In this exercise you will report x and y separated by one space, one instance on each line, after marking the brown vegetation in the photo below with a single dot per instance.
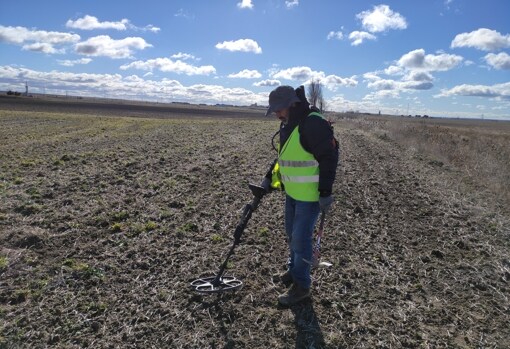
476 152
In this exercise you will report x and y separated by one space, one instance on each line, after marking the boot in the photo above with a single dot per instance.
286 278
294 295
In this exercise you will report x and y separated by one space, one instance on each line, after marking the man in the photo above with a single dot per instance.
305 170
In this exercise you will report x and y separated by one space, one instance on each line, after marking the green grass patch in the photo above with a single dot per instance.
136 229
4 262
263 232
150 225
165 214
28 163
74 265
34 193
216 238
121 216
189 228
82 269
116 227
96 308
58 162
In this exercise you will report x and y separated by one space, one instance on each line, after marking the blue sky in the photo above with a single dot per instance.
436 57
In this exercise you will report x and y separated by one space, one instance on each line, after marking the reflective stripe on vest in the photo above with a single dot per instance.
300 179
299 170
298 163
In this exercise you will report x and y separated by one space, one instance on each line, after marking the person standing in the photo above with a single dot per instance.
305 169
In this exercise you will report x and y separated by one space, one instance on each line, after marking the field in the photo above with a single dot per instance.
109 211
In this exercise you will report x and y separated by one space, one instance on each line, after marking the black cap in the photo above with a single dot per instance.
281 97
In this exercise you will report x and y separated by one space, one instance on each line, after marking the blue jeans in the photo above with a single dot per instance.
300 219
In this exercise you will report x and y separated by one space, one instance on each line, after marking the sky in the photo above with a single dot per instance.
444 58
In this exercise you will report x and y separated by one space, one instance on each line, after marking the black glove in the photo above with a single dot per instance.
325 203
266 184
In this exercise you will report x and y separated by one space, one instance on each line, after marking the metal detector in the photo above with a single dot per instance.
221 283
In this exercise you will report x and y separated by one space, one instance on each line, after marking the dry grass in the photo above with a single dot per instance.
477 151
105 220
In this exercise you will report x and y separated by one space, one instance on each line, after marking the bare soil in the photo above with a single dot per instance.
105 219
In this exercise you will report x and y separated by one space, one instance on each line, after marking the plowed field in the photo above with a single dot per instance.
105 219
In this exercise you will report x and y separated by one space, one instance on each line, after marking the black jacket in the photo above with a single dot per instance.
316 136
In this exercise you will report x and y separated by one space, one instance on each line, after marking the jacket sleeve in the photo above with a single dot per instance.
317 137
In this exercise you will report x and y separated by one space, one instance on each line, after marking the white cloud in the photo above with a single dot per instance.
393 70
482 39
91 22
184 56
335 35
55 78
37 40
131 87
414 80
358 37
416 85
265 83
246 74
296 73
242 45
498 61
415 67
418 76
103 45
371 76
291 3
413 59
20 35
8 73
499 91
152 28
170 66
184 14
305 74
370 103
332 82
71 63
340 103
381 95
43 47
245 4
383 84
418 60
133 78
381 19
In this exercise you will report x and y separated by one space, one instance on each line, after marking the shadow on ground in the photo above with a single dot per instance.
308 330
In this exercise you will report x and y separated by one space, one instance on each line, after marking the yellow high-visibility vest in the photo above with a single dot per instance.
298 169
